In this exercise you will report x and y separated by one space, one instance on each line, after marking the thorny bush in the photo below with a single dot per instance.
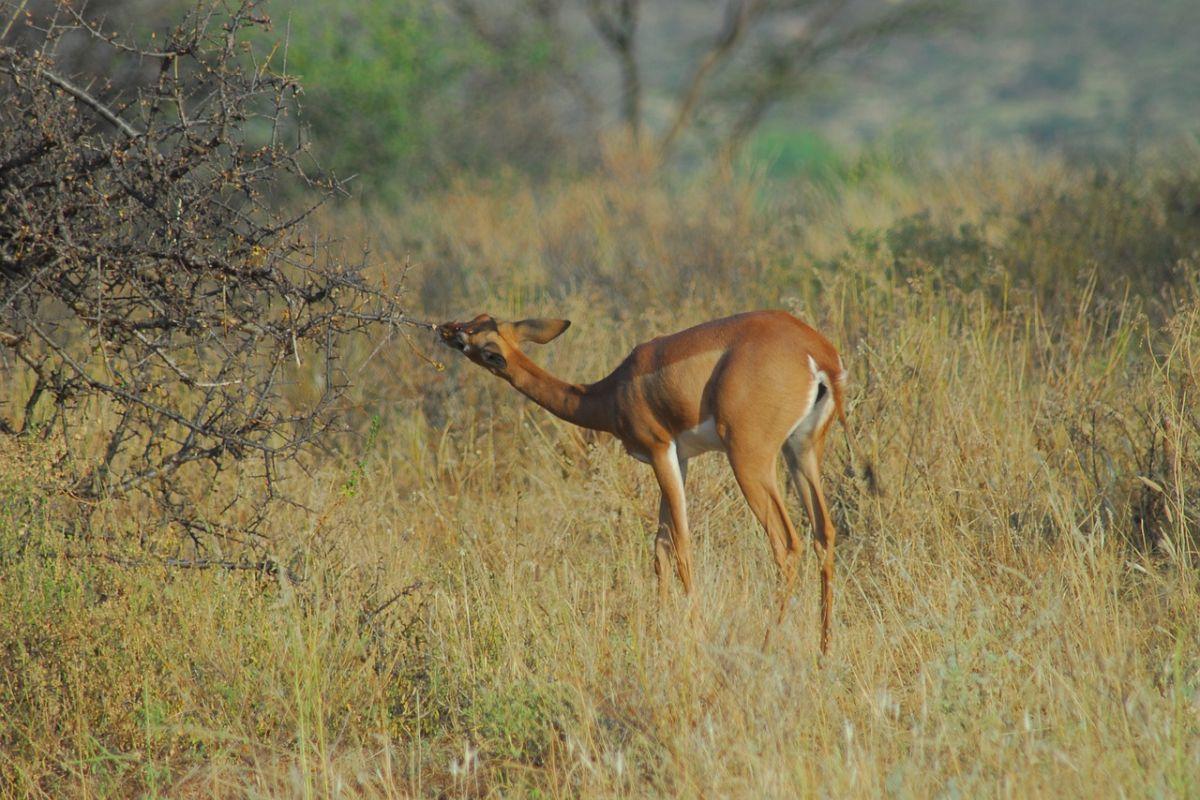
158 311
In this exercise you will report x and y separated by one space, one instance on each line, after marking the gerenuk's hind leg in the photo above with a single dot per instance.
754 469
804 464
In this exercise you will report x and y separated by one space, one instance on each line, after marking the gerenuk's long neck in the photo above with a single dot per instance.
586 406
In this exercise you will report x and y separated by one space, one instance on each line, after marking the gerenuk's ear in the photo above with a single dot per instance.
539 330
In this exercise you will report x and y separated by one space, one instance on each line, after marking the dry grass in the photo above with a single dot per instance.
1019 614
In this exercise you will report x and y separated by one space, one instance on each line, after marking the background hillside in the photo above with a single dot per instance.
1110 76
410 94
1108 79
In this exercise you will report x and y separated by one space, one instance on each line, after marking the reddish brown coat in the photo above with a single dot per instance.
751 385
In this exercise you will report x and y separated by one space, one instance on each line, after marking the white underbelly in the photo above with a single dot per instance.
701 439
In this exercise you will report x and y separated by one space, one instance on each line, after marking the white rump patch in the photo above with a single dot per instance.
816 411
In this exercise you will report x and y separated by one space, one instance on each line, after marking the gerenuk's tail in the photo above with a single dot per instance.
856 460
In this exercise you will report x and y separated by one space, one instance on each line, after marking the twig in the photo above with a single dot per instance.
79 94
266 566
16 13
738 15
405 592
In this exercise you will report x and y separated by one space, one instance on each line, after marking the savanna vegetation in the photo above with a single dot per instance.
450 592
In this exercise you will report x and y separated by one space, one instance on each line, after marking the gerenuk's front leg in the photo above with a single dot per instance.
669 473
663 540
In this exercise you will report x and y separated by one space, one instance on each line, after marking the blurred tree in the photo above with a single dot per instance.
375 69
759 53
404 94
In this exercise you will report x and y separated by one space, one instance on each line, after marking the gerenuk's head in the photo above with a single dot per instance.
491 343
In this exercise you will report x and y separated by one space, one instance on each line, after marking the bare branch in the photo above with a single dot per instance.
547 14
105 113
17 12
739 14
618 30
782 69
